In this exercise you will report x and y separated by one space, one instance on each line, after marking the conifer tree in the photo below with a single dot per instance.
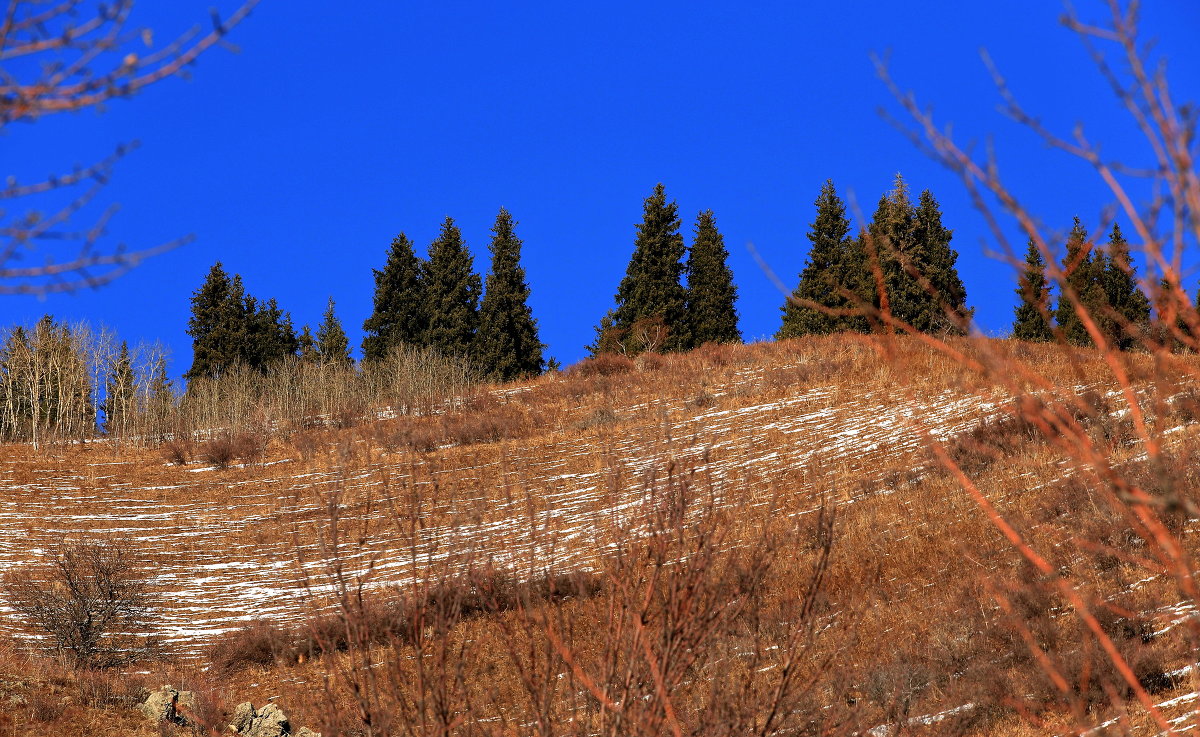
651 288
710 294
119 393
399 314
332 344
948 297
160 398
1032 322
824 276
1125 297
892 233
507 344
451 293
217 324
271 336
308 346
1080 269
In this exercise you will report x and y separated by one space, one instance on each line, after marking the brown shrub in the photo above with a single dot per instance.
650 362
605 364
177 451
247 447
502 422
218 451
258 644
993 439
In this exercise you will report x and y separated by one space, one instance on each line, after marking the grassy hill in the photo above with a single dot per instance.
820 536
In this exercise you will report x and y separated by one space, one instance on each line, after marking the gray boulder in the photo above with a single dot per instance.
270 721
164 705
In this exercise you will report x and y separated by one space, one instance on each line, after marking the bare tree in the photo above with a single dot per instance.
57 56
88 601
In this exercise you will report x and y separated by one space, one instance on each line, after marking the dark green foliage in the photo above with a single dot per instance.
711 294
332 344
119 393
833 257
451 293
217 324
229 327
1081 278
892 233
1130 306
1032 322
271 336
399 314
606 337
947 298
507 345
308 346
651 286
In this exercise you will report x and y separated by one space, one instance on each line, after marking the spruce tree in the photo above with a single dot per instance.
451 293
1032 322
270 337
893 235
1080 269
119 393
651 287
507 345
399 314
823 278
710 294
946 306
308 346
217 325
160 398
1129 303
332 344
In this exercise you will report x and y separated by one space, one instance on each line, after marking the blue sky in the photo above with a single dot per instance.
297 160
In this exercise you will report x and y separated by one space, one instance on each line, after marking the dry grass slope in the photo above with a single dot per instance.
749 539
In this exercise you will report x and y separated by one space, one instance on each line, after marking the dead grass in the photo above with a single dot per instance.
910 607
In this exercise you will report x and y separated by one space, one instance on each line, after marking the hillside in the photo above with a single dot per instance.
735 539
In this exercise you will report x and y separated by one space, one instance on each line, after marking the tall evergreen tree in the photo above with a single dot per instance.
824 276
119 393
1080 269
651 287
399 314
711 295
1125 297
217 325
451 293
332 344
949 296
308 346
271 336
507 344
893 235
1032 322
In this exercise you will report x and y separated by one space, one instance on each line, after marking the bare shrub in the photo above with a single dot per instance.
89 601
605 364
250 447
177 451
258 644
219 451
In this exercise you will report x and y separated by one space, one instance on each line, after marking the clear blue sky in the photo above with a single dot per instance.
297 160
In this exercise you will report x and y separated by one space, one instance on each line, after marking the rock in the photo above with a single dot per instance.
270 721
165 704
243 717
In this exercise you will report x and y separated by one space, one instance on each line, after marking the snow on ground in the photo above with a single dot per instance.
551 499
